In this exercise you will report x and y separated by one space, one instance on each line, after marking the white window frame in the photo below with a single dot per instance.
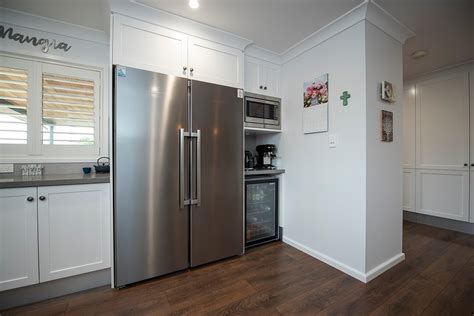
35 151
20 149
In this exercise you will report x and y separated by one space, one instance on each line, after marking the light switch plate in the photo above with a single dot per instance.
6 168
332 141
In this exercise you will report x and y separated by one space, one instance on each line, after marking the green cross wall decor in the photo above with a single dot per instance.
344 97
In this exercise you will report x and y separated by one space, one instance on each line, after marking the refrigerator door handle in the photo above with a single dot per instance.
198 168
182 200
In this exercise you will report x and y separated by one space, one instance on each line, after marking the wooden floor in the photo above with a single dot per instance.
437 278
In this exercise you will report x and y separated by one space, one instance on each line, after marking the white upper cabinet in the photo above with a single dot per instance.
442 123
74 230
18 238
150 47
146 46
409 115
262 77
215 63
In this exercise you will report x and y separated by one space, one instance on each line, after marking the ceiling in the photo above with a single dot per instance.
445 28
92 14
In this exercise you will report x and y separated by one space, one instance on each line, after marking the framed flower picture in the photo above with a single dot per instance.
315 105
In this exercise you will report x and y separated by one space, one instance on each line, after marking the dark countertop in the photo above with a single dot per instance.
18 181
264 172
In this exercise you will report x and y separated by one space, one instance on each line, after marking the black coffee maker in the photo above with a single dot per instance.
265 154
249 160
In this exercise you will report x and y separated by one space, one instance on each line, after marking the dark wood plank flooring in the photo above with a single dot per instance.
437 278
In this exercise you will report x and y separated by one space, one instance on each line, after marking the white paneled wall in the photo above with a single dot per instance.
437 135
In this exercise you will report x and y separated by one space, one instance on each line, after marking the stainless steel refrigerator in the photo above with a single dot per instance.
178 174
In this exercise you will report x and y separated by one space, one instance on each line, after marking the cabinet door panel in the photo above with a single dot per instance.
409 190
215 63
18 238
442 118
409 135
74 230
150 47
271 81
443 193
252 80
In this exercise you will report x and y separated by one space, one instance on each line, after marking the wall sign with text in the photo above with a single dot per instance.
44 43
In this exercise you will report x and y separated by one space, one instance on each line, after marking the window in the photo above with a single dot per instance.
13 105
48 110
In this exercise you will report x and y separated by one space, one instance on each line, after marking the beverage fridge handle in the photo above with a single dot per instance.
198 167
181 168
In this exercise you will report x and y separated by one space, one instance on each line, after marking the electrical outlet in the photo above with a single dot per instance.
6 168
332 141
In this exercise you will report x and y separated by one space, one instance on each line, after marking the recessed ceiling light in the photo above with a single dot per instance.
419 54
194 4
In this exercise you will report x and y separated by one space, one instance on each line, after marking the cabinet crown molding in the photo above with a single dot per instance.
137 10
367 11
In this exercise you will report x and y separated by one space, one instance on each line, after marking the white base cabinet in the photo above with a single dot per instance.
409 189
18 238
74 230
66 227
443 193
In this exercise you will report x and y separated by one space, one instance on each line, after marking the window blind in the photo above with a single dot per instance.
68 112
13 105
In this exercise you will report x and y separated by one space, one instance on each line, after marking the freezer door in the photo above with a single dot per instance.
150 228
217 169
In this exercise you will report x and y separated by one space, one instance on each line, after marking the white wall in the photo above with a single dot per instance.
324 202
384 160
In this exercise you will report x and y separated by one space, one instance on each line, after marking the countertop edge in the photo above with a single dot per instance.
19 182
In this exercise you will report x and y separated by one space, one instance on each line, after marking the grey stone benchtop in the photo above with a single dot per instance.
18 181
264 172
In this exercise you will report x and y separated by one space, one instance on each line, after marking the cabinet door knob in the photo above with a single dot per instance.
465 165
265 88
472 164
42 198
30 199
184 68
261 87
191 69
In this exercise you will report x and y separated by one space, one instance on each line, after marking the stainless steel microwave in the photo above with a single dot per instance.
262 111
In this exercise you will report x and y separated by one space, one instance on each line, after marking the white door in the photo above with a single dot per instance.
471 199
74 230
443 193
442 123
215 63
150 47
252 80
18 238
442 147
271 76
409 190
409 135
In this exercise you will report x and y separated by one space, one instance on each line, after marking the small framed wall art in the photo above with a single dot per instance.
387 92
387 126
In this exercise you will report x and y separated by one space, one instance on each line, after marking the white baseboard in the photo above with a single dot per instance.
384 266
326 259
363 277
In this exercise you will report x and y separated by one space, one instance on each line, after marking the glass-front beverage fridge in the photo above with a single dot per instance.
261 210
